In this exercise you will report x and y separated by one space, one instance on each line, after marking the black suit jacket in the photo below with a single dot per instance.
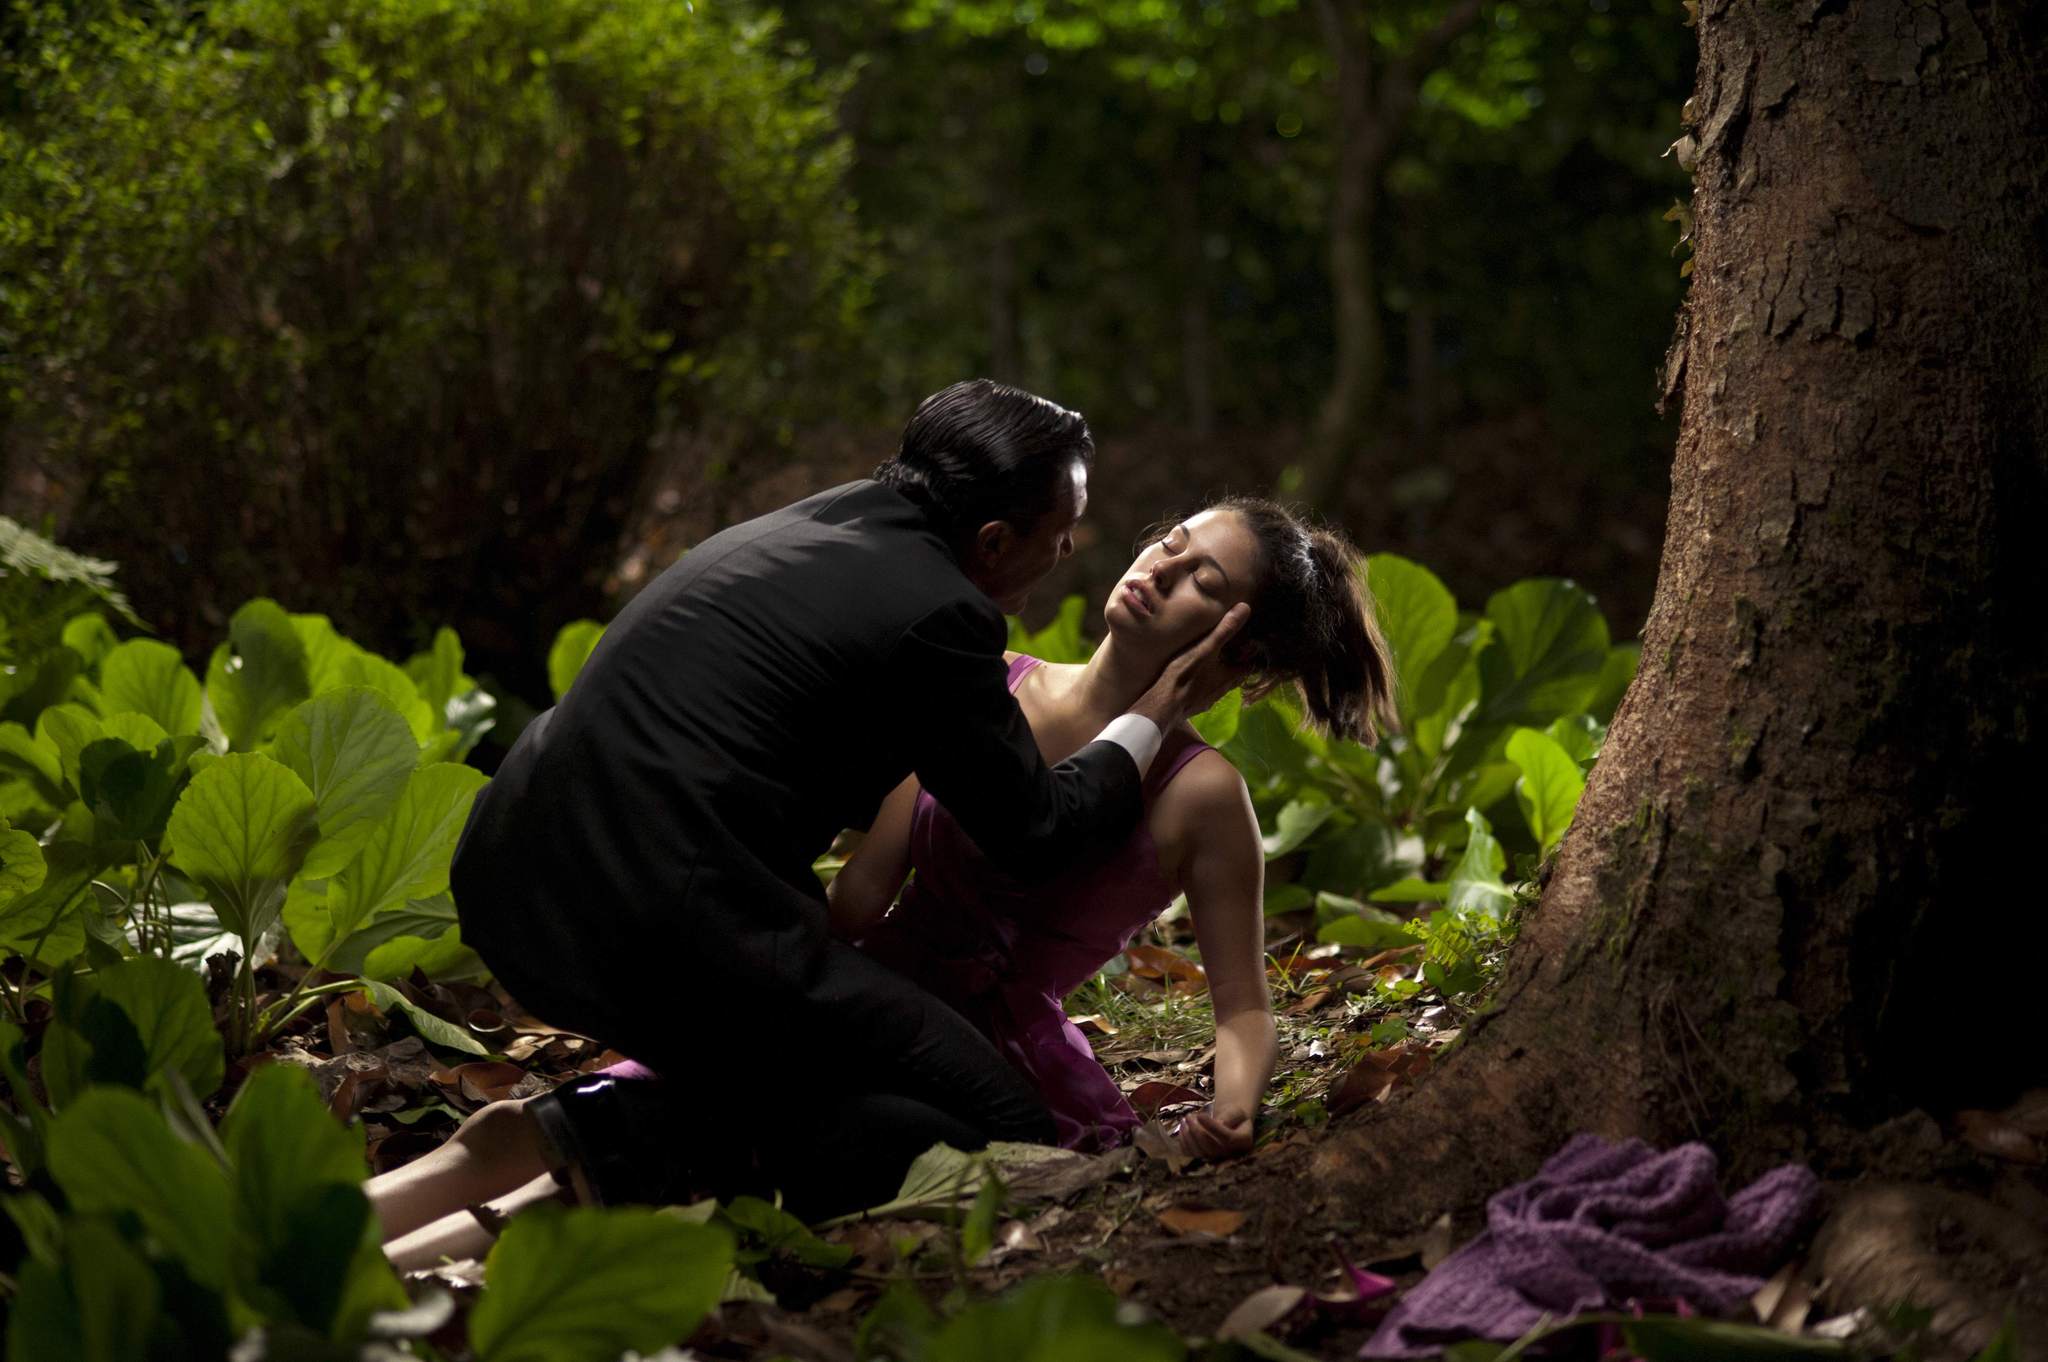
763 693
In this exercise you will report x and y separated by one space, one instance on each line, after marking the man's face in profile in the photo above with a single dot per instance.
1013 564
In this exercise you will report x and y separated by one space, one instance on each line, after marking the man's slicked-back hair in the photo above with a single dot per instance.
981 451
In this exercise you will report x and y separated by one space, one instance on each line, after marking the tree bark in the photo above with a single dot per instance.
1798 853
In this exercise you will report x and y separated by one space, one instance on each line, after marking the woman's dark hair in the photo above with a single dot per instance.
1313 625
981 451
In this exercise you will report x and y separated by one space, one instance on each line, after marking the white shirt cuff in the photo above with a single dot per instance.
1137 735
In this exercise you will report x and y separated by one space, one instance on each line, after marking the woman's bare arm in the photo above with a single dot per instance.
1223 875
868 883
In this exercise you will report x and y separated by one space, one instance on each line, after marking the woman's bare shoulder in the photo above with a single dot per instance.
1206 800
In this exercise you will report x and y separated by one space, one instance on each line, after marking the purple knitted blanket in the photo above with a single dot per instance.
1600 1225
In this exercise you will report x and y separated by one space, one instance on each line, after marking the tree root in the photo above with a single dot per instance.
1967 1260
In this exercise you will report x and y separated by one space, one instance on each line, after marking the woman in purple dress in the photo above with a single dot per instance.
1005 954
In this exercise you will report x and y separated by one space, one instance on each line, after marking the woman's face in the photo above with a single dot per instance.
1181 586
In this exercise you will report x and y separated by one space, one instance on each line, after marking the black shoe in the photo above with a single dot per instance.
613 1141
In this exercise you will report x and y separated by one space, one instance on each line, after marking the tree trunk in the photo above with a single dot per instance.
1358 369
1197 367
1805 850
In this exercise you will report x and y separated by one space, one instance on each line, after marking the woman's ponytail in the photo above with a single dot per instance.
1313 624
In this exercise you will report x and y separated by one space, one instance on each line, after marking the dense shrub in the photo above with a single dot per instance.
411 288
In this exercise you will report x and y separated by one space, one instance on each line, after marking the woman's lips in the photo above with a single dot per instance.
1136 597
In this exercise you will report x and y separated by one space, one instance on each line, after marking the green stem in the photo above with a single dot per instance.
281 1013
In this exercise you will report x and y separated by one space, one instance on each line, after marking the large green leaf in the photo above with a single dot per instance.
405 855
129 791
432 1029
1550 786
1218 723
1580 735
437 672
1296 824
112 1153
256 677
70 729
91 637
1417 615
325 649
1359 924
1051 1319
242 829
99 1302
570 650
143 676
25 756
1475 884
167 1005
48 914
22 867
422 919
305 1244
359 667
443 956
1548 652
1062 640
584 1285
355 753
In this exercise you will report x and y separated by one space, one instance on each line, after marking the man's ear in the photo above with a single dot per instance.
993 540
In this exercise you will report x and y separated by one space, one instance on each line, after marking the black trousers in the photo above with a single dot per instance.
824 1096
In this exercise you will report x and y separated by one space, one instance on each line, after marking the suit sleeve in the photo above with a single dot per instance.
972 748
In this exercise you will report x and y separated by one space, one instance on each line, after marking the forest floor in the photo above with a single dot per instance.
1228 1249
1189 1240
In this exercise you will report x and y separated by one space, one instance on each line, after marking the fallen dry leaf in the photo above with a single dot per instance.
1192 1220
1436 1242
1260 1311
1154 1095
1784 1301
1155 1142
1156 962
1374 1076
1093 1024
486 1080
1311 1002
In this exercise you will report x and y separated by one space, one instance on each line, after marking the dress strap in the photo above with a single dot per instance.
1021 668
1168 764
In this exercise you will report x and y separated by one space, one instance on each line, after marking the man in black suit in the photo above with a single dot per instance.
640 868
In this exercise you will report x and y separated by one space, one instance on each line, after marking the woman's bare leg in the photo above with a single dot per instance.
496 1150
463 1235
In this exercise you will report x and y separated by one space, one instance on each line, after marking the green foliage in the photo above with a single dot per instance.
309 780
151 1237
1045 1319
570 650
639 1280
394 250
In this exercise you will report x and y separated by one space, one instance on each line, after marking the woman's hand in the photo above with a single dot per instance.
1217 1133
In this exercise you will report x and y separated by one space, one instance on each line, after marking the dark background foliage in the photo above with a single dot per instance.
477 312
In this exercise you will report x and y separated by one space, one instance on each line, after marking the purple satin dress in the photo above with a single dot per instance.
1005 955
